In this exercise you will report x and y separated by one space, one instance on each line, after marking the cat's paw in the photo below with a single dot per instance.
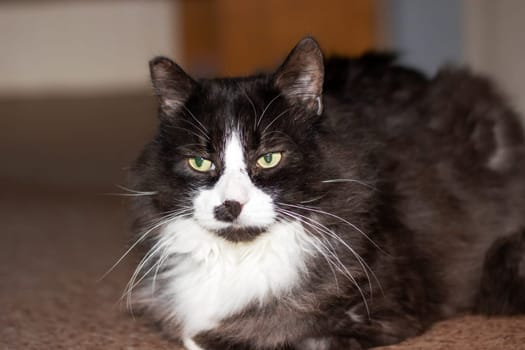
502 288
189 344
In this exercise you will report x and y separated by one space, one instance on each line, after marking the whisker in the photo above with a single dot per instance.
164 220
162 215
313 199
133 282
205 138
320 251
195 118
265 109
250 101
199 129
160 262
349 180
146 193
361 261
326 230
319 211
323 229
277 136
129 192
276 118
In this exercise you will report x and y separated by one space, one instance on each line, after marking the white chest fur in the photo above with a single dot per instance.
214 278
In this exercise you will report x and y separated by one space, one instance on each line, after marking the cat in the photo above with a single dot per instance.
344 203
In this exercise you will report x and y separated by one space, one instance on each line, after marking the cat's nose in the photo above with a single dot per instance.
228 211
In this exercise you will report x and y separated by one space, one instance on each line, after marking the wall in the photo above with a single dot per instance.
484 35
75 99
426 33
494 43
57 47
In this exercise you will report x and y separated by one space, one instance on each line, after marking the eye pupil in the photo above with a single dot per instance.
198 161
268 158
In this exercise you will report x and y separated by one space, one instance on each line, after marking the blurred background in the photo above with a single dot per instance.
75 100
76 107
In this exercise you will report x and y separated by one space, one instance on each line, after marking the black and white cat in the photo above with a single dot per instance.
328 205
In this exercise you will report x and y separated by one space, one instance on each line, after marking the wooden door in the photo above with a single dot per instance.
234 37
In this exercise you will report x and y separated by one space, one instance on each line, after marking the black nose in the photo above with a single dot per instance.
228 211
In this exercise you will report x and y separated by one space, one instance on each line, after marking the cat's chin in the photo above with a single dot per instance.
237 234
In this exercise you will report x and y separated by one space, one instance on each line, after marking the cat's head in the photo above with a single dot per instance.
233 151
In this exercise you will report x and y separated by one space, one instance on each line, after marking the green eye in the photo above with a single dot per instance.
200 164
269 160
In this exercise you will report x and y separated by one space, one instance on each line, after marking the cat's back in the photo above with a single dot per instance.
452 154
454 117
460 175
458 160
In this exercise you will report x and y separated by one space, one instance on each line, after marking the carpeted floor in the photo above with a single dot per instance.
55 246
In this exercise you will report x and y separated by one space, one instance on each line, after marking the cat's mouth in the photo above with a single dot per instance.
236 233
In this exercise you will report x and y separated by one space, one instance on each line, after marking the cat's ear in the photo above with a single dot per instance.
170 83
301 76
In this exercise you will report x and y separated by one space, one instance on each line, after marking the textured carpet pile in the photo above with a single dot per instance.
55 247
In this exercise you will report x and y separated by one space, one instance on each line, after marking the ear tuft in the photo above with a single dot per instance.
171 84
301 76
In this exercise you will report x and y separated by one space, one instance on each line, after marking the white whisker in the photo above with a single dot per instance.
323 250
153 251
132 191
319 211
205 138
129 194
312 200
164 220
334 235
133 282
319 228
250 101
275 119
204 129
159 264
265 109
197 127
349 180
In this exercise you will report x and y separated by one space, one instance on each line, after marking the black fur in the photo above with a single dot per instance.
425 186
503 280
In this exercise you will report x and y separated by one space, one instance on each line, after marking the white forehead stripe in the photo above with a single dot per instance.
234 184
234 155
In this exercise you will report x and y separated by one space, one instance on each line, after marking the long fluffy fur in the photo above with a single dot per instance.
391 190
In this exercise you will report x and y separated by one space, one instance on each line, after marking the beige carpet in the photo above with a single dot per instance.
54 247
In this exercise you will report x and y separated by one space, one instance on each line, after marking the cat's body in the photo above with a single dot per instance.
285 216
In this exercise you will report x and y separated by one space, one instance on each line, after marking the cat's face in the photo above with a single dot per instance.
232 151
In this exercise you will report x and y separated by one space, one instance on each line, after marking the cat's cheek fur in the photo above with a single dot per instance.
213 278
